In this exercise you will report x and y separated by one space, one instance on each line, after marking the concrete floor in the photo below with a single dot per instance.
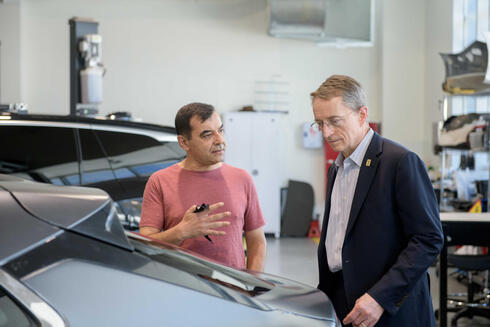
296 258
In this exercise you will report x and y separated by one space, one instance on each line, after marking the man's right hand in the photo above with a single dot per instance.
195 224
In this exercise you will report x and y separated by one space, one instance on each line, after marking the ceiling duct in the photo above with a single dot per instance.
326 22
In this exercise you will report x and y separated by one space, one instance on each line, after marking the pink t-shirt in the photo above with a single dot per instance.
171 191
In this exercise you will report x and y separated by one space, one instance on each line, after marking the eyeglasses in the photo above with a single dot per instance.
333 122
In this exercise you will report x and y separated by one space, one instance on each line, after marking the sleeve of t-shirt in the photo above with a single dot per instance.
253 214
152 207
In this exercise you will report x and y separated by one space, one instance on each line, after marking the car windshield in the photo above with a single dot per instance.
225 281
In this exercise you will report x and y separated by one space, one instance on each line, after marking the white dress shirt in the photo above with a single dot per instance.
341 201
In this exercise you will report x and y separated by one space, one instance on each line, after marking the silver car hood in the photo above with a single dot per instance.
258 290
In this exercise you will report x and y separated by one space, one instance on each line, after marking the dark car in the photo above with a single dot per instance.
117 156
65 260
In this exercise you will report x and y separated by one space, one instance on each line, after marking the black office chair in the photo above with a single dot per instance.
298 209
476 301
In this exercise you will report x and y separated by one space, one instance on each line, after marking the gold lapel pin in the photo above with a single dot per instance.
368 162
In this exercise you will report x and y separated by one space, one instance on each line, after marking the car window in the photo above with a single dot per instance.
44 154
95 165
138 154
11 314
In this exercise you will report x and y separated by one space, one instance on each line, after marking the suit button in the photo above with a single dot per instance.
347 261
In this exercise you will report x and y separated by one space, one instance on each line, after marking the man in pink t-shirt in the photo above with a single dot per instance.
172 195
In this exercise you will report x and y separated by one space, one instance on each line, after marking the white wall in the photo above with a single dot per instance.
414 34
438 40
10 52
163 54
404 66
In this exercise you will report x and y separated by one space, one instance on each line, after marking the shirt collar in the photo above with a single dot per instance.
358 155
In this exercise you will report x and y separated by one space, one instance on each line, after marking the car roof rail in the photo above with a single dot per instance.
18 108
119 115
87 112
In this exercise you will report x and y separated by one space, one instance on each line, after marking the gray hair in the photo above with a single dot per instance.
348 88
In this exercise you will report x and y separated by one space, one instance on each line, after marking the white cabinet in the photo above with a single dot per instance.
253 144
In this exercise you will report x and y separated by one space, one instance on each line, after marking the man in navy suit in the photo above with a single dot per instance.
381 229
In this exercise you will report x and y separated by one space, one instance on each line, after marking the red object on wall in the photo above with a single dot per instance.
331 155
314 229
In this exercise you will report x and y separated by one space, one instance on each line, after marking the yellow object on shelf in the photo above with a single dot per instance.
476 207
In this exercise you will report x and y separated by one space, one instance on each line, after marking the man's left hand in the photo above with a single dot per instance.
366 312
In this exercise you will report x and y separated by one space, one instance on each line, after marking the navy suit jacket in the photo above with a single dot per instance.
393 235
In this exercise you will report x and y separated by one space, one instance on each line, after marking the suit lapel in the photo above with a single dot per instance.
332 173
366 176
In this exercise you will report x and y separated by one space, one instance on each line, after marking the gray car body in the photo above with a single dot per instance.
65 260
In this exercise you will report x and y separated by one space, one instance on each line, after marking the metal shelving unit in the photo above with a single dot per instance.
449 151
